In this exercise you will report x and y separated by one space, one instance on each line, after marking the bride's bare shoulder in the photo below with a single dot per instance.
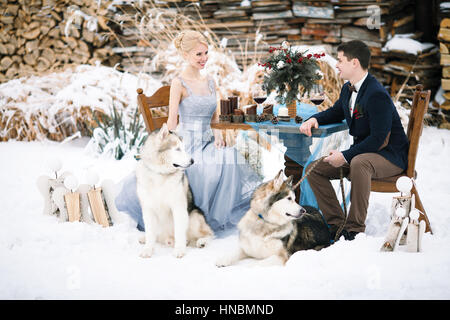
176 82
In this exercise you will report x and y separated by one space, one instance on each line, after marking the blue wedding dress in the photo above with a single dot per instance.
221 181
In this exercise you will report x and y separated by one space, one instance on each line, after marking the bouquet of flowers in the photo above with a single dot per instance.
286 70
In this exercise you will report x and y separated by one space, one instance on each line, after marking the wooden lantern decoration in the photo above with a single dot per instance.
97 203
72 199
401 208
47 186
415 232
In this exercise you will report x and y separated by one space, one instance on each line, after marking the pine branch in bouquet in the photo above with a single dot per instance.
290 72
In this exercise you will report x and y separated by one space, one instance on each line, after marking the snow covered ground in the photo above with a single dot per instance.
42 258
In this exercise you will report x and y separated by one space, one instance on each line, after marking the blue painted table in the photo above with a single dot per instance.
297 144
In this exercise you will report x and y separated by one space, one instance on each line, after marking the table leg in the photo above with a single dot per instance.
292 168
297 153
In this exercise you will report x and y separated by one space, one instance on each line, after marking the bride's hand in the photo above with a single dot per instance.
218 140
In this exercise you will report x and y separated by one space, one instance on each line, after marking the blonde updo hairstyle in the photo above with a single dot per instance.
185 41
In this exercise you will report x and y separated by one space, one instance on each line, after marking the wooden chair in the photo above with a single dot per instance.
159 99
418 109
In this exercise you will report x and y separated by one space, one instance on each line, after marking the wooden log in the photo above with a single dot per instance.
445 84
446 72
403 21
445 105
55 15
444 47
444 34
273 15
7 48
49 55
32 33
42 64
31 58
5 63
229 13
361 34
71 41
445 59
11 10
7 19
311 11
31 46
54 33
445 23
102 23
321 32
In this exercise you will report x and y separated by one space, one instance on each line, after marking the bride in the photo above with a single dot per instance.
221 182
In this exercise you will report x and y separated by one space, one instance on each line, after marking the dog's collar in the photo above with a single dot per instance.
264 220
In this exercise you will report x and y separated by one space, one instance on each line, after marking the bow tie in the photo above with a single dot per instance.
352 89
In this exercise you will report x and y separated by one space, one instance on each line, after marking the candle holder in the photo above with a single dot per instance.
283 114
268 112
225 111
234 103
225 118
238 116
250 118
250 113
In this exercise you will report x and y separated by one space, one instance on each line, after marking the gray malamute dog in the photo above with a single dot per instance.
276 226
168 209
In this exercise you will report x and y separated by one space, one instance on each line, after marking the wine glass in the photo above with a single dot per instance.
259 95
317 95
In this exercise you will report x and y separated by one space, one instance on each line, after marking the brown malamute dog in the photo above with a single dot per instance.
276 226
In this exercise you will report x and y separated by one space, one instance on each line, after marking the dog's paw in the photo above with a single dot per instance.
202 242
179 252
146 252
142 239
272 261
223 262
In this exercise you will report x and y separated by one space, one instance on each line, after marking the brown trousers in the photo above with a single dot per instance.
360 172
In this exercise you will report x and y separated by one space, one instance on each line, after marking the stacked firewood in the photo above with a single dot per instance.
372 21
408 63
43 35
444 38
240 26
247 28
244 25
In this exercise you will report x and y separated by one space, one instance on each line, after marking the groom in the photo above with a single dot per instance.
380 146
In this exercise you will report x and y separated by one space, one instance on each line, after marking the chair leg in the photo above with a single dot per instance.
420 207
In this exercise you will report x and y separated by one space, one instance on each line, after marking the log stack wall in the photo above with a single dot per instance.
39 36
43 35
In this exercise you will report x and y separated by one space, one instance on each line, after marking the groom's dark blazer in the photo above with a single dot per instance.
374 118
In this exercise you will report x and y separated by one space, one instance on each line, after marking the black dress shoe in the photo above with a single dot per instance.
333 229
349 235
